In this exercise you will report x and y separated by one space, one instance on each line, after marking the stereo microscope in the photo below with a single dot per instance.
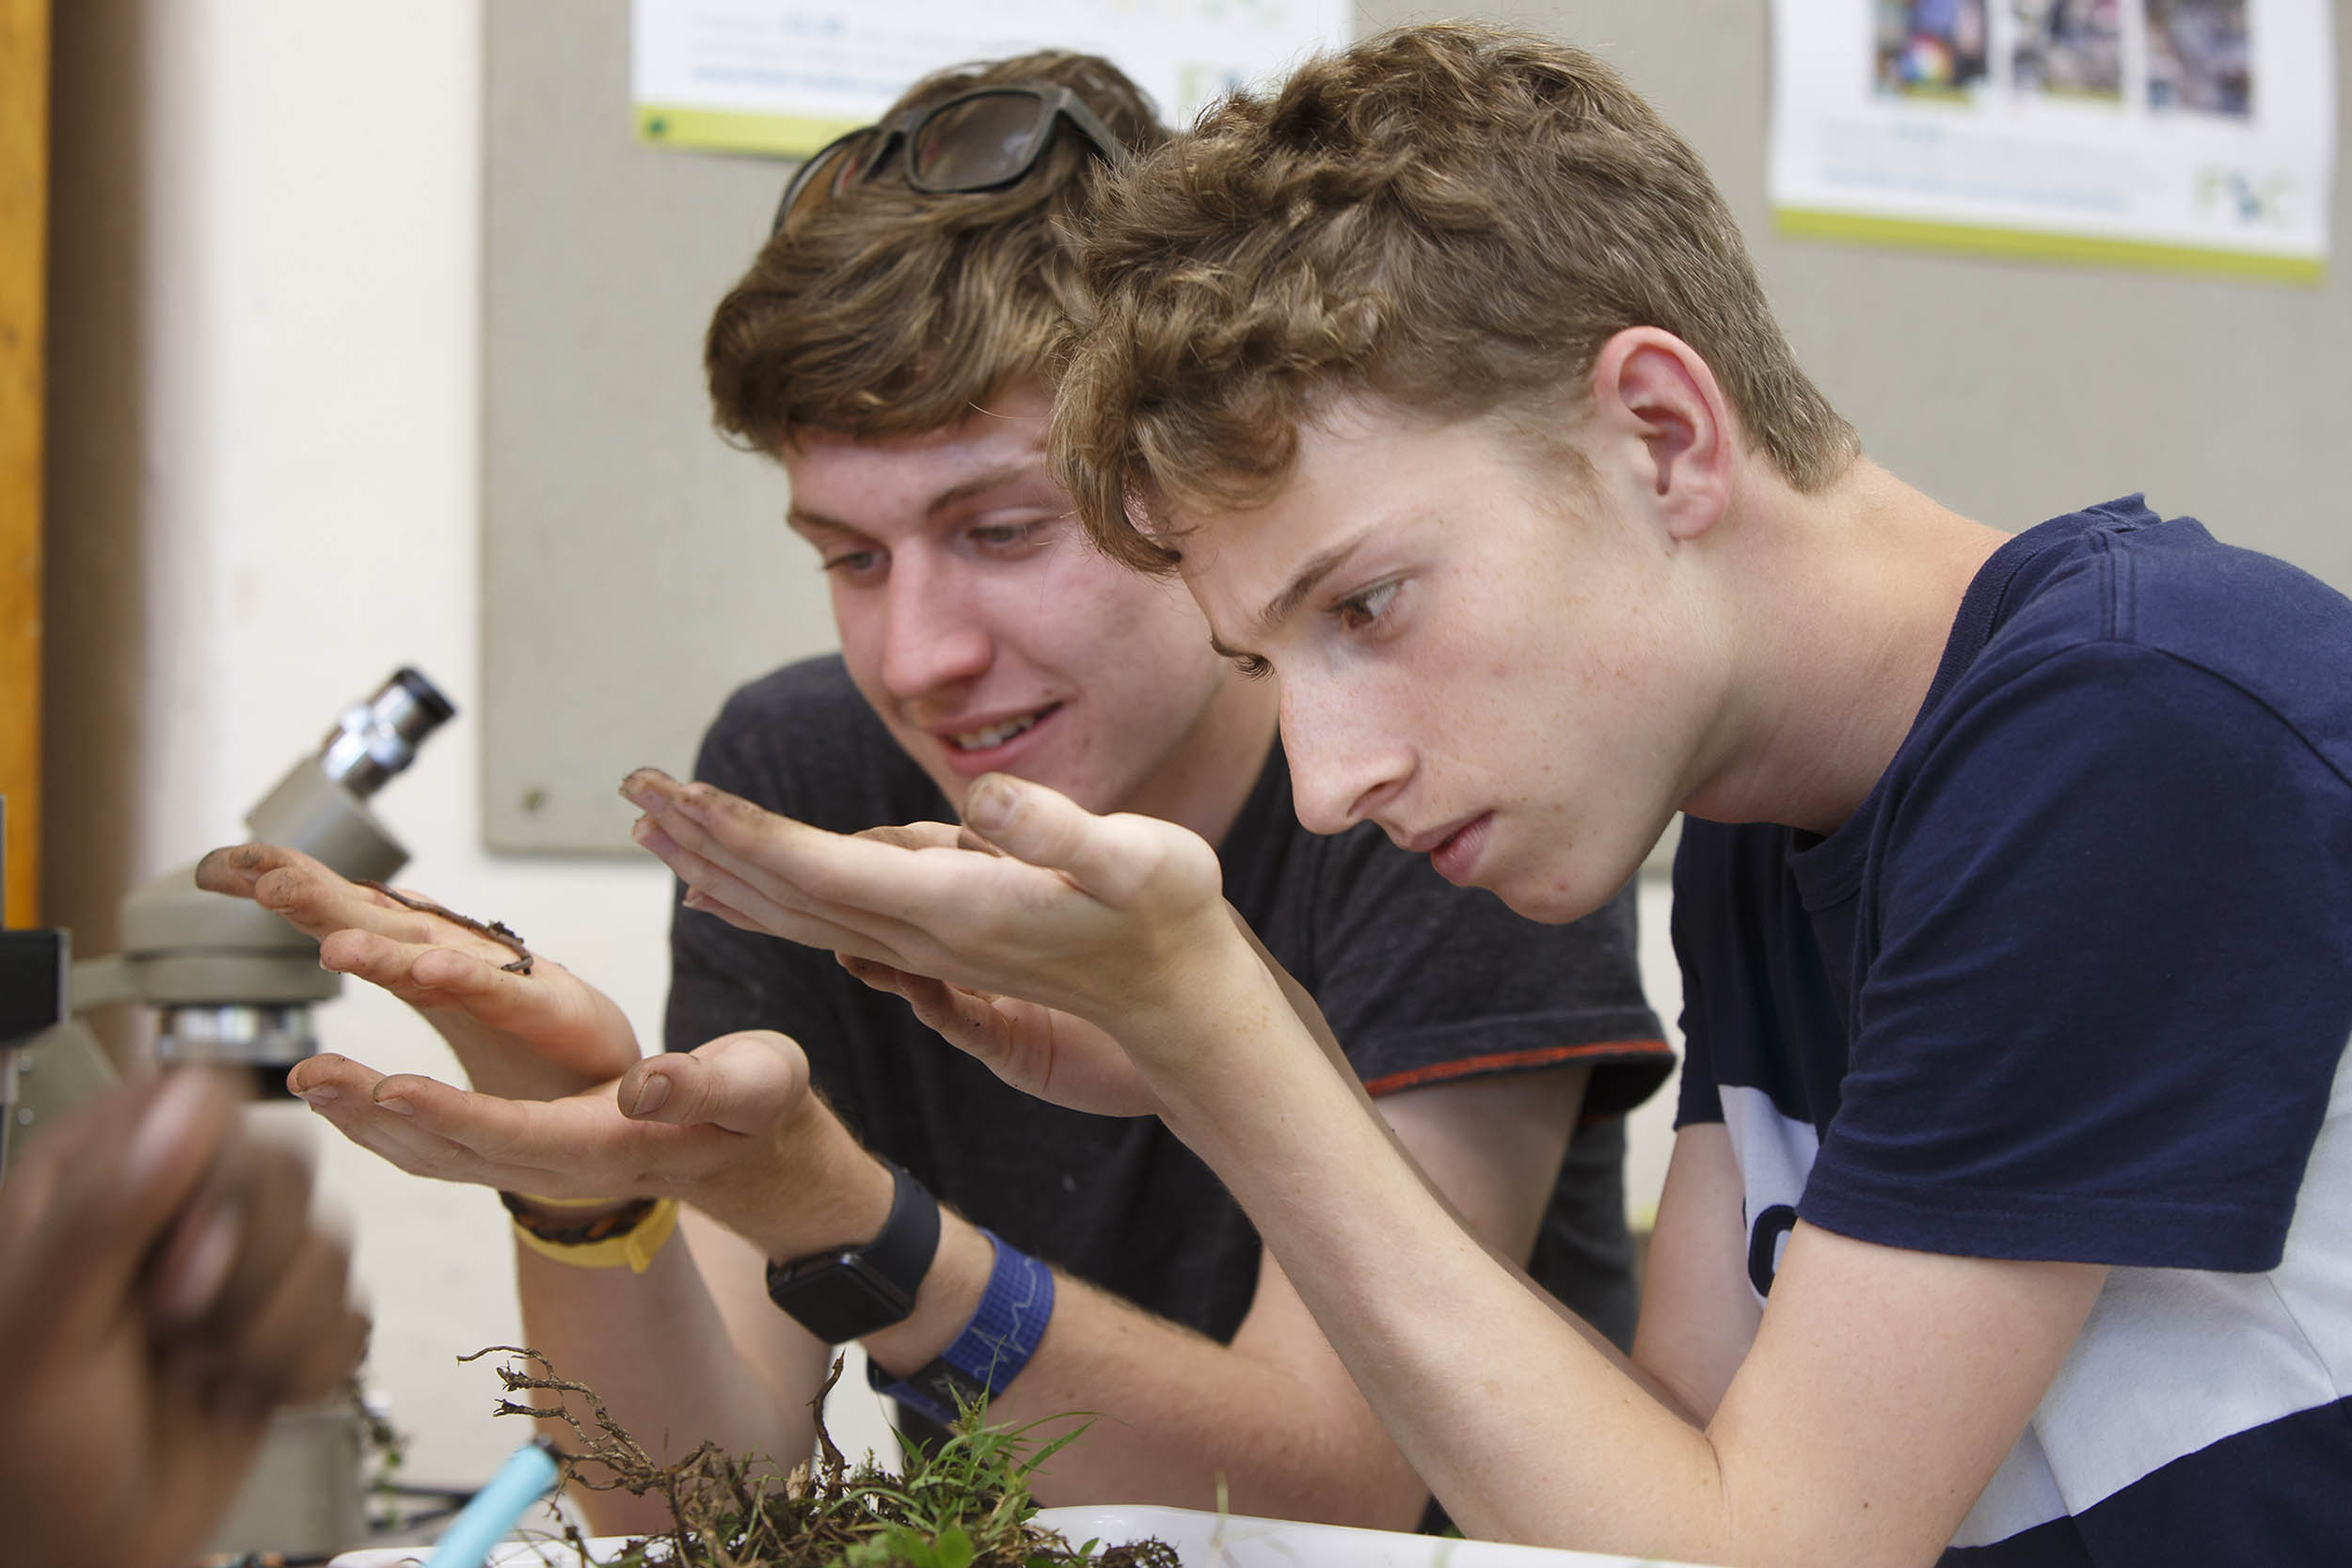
234 985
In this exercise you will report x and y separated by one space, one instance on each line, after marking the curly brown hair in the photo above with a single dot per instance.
887 311
1449 217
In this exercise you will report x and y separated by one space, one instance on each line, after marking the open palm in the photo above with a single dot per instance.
535 1035
1045 1051
729 1128
1107 918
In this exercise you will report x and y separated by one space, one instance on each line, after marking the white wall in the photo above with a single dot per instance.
308 377
310 414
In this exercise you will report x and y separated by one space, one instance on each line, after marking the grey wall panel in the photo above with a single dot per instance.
636 569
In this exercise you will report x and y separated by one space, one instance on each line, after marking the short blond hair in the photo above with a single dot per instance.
1451 219
889 311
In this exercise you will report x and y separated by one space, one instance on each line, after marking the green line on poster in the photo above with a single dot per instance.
2027 244
724 131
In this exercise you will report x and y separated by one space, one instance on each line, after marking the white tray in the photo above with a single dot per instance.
1202 1540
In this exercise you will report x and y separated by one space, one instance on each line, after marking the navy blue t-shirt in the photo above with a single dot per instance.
2075 982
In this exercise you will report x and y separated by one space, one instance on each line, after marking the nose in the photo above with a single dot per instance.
935 636
1346 762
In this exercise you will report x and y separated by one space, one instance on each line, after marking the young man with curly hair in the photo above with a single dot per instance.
893 348
2008 1219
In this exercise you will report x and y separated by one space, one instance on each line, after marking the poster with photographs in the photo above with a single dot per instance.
787 76
2192 134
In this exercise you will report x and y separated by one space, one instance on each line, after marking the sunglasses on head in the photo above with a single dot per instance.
976 141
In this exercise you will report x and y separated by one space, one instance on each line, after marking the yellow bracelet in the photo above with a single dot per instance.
635 1246
546 1202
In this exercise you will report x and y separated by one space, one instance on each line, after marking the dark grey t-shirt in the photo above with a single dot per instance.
1422 982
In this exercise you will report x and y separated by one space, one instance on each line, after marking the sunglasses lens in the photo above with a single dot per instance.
982 141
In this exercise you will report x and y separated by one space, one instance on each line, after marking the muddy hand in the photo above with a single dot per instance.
729 1128
1043 1052
1099 916
537 1035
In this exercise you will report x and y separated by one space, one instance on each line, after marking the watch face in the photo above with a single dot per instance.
837 1299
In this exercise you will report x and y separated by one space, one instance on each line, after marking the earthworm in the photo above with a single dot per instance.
497 930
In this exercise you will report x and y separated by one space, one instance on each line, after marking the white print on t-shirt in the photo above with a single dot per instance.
2169 1362
1774 1154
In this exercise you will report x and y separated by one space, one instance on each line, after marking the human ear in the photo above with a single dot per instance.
1651 389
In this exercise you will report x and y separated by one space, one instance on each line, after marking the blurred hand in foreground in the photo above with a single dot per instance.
162 1290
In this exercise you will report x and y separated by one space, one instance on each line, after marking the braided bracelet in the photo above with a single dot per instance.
632 1234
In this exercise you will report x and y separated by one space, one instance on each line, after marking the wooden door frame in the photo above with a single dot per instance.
24 234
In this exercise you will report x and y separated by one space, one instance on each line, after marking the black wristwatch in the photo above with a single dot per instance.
846 1295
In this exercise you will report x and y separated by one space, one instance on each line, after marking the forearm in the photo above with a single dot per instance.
1882 1392
657 1350
1527 1428
1289 1432
1172 1415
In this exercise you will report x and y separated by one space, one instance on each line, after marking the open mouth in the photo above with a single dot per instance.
998 735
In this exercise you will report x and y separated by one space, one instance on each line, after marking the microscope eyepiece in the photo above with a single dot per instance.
376 738
428 696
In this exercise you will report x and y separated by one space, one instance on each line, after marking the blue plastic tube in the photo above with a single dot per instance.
522 1480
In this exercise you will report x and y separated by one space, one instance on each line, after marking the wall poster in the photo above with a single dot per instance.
787 76
2176 133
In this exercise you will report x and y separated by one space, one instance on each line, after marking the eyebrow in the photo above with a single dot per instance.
801 521
1306 578
1303 582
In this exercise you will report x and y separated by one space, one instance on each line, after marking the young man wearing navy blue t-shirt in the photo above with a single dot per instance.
2008 1219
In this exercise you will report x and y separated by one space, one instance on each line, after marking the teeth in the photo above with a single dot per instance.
995 735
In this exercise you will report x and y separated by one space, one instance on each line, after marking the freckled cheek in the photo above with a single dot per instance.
1066 618
1312 712
862 640
1497 709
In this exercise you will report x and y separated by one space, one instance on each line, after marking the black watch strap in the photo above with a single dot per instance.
845 1294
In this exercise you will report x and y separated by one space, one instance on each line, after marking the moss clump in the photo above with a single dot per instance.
962 1504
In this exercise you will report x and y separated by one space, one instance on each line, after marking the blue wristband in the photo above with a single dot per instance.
993 1348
